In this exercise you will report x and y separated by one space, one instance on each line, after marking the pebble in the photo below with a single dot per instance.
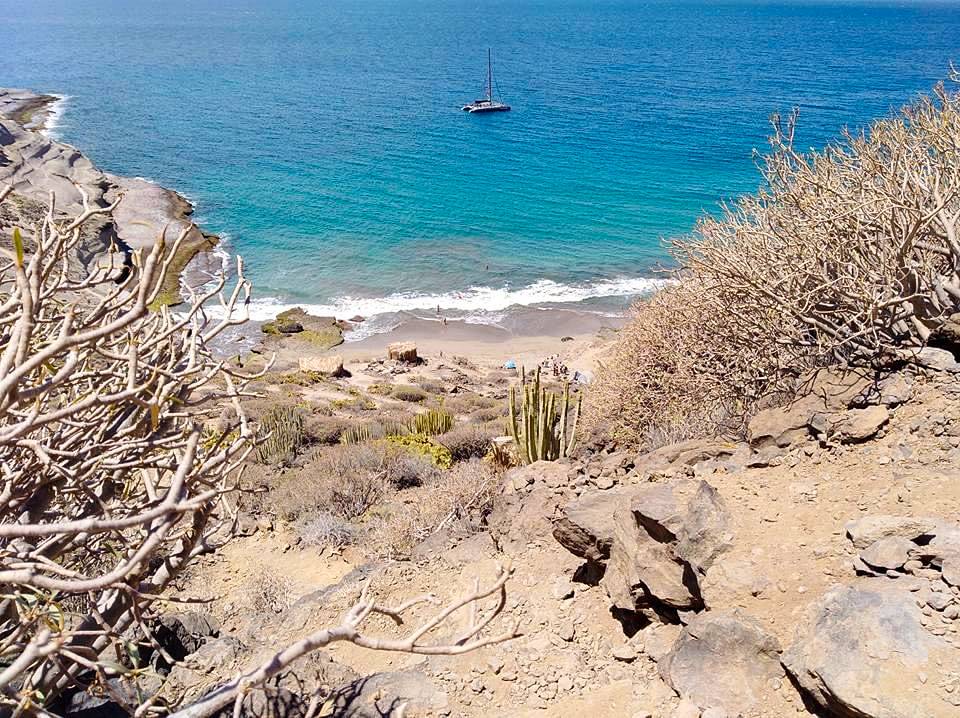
939 601
604 482
565 684
624 652
566 630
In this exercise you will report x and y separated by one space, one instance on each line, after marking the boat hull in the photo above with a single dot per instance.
472 109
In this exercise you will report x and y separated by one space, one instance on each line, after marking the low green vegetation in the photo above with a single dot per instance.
406 392
425 446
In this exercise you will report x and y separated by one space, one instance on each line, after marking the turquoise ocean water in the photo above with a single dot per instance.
325 140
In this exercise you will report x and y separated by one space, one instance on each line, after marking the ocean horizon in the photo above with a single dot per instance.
326 145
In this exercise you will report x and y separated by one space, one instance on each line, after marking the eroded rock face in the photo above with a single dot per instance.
722 662
403 351
654 540
864 652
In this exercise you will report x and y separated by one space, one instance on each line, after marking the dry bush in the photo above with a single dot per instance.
406 392
267 591
325 430
469 441
458 500
467 402
110 488
348 480
429 385
325 529
849 255
487 415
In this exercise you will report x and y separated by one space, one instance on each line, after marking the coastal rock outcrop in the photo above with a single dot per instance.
320 332
36 166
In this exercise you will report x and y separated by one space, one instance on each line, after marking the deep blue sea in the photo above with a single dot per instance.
324 139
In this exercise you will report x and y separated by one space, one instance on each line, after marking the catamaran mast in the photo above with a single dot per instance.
489 77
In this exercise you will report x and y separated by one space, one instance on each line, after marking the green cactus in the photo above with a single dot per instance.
432 423
281 434
373 431
538 429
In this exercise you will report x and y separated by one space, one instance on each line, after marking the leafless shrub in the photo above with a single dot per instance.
108 491
268 591
847 255
488 415
325 529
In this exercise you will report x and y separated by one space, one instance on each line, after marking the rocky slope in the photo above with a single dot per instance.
36 166
812 570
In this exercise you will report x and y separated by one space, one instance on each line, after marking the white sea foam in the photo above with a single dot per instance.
54 116
477 301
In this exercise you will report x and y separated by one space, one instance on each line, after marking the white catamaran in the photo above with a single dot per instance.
487 104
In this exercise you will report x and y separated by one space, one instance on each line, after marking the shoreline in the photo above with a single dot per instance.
37 165
499 327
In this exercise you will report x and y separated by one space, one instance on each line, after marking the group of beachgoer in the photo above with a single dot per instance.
554 365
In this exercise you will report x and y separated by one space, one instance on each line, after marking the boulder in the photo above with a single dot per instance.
730 582
183 633
867 530
782 426
931 358
862 424
403 352
951 571
641 570
324 365
686 453
585 526
389 694
864 652
722 662
889 553
662 544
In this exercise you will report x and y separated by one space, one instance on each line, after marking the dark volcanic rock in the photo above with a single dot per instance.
722 661
864 652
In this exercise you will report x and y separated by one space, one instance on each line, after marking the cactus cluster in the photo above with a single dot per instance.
281 434
432 423
373 431
538 426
